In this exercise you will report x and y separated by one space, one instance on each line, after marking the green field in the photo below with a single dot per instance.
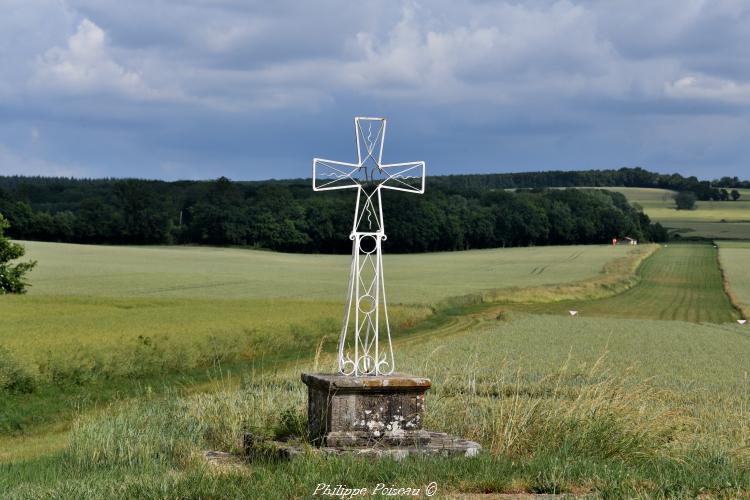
680 282
91 303
644 394
97 315
710 219
223 273
735 259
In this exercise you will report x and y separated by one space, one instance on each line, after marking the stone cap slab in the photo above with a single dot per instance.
395 382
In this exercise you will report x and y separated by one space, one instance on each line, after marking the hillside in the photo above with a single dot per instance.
726 220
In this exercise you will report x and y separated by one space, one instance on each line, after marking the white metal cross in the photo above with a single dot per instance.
362 352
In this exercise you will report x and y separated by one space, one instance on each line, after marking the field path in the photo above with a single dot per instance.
679 282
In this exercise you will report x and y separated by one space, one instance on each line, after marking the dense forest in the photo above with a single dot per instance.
456 212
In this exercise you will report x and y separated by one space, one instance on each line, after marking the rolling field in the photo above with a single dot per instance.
735 259
108 299
659 205
711 219
680 282
223 273
644 394
105 315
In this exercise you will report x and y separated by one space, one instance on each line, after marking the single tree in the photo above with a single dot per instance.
735 195
12 275
685 200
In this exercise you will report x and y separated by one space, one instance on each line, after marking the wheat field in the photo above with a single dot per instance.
595 404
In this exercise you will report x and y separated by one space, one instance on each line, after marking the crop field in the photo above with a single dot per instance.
735 260
680 282
659 205
709 230
98 314
710 219
223 273
179 297
643 394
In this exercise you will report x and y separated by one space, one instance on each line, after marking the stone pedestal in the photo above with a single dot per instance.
346 411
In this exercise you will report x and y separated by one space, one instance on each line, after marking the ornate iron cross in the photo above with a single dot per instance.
361 352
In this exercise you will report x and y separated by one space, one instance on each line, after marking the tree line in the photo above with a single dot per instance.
456 213
623 177
731 182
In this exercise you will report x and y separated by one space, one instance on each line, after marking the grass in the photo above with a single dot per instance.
680 282
558 410
709 230
227 273
613 406
659 205
123 311
102 322
735 256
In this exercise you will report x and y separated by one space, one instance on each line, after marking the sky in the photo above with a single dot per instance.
198 89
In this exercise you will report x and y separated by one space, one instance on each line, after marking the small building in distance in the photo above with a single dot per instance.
627 240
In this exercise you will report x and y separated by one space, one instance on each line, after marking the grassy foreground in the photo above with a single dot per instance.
562 408
616 407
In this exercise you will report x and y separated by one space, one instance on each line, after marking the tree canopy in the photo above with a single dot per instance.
12 275
455 213
685 200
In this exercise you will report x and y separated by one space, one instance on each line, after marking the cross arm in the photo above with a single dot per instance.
407 177
329 175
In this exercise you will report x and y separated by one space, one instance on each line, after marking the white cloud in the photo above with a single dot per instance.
704 87
87 65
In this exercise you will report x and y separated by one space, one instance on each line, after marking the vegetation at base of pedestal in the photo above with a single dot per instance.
12 275
574 416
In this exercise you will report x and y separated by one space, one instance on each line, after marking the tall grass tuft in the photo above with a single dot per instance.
16 376
171 429
583 414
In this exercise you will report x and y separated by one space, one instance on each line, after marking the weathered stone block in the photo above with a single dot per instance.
367 410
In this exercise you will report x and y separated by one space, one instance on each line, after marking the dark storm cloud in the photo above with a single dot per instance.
255 89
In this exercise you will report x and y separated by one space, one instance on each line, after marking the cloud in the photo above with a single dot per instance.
253 89
704 87
86 65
